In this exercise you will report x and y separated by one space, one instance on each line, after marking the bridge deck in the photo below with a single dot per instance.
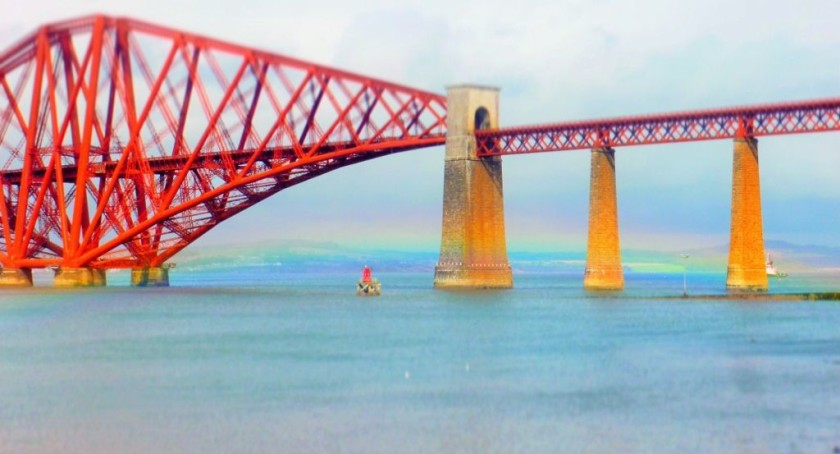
821 115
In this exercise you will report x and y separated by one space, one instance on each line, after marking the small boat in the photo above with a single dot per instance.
368 285
372 288
771 269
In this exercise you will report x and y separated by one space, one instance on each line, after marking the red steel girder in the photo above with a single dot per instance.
763 120
121 142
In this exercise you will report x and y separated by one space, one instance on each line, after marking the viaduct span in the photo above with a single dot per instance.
122 142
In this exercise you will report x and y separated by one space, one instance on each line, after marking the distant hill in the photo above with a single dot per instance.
304 256
787 256
312 255
795 256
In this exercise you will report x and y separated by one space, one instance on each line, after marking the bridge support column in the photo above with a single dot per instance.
79 277
473 251
603 253
153 276
746 269
15 277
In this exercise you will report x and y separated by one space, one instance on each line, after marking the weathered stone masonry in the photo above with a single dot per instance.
746 269
603 254
473 251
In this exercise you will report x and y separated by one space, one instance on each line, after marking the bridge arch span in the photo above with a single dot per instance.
122 141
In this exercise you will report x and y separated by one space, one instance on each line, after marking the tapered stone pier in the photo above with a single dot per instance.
473 251
66 277
155 276
15 277
746 269
603 253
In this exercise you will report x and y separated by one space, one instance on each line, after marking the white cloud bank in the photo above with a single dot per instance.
554 61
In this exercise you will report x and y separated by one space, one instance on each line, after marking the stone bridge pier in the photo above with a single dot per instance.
15 277
603 252
473 251
746 270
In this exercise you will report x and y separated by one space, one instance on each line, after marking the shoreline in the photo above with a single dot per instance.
743 296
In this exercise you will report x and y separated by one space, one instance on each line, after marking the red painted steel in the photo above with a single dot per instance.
121 142
772 119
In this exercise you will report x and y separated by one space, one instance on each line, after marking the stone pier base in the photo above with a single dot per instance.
156 276
746 270
79 277
603 253
15 277
454 276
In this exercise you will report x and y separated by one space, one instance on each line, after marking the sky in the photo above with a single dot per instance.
554 61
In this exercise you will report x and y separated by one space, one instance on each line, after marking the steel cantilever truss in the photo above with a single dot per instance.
121 142
776 119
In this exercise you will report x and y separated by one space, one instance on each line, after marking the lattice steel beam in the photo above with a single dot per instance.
772 119
123 141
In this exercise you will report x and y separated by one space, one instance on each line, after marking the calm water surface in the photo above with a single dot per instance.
263 361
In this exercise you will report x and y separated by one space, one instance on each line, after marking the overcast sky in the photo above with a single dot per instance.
554 61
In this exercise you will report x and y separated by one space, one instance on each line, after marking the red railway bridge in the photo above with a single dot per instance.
122 142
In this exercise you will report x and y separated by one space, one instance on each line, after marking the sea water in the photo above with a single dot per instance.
264 360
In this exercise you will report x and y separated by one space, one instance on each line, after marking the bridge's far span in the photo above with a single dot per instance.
821 115
746 269
121 142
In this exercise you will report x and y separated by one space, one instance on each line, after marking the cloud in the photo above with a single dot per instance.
554 61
